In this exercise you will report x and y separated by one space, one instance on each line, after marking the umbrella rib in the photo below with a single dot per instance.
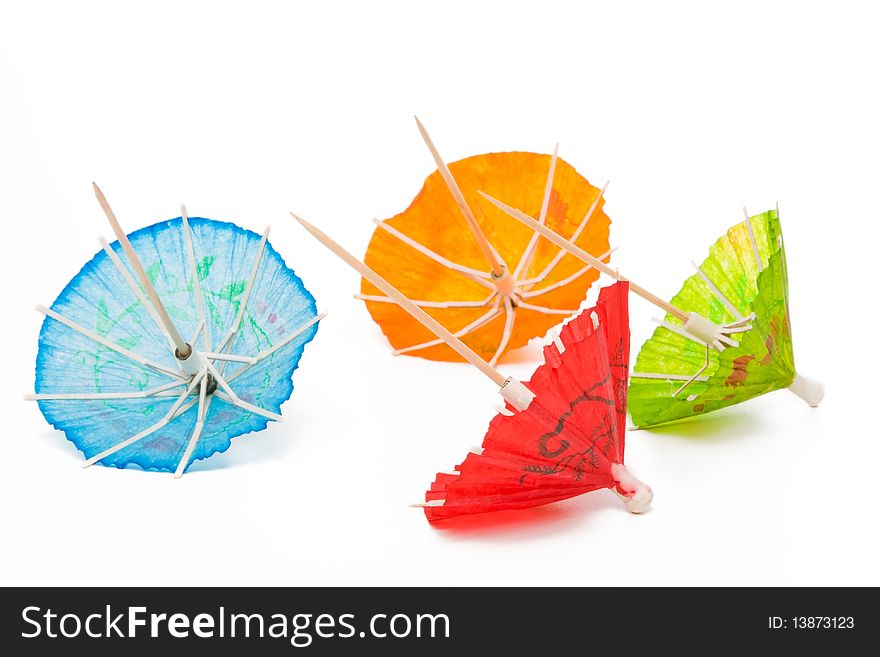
134 394
740 326
240 403
565 281
740 329
671 377
197 431
526 259
695 376
246 296
492 258
509 318
175 411
737 315
752 240
475 275
742 322
229 357
197 283
145 303
543 309
470 328
108 343
574 236
234 399
278 345
425 505
198 331
431 304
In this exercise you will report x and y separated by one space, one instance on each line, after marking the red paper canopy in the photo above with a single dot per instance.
570 440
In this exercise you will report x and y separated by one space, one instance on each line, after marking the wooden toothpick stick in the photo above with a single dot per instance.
497 267
429 322
578 252
183 349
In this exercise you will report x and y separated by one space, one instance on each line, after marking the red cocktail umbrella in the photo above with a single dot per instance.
561 433
570 439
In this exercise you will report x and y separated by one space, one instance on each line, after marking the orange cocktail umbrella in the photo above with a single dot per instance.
490 280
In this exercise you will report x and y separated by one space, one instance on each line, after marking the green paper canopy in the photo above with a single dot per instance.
746 267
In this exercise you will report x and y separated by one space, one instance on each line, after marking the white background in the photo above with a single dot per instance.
247 111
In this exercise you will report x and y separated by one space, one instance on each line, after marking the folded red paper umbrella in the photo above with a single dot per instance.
570 440
561 434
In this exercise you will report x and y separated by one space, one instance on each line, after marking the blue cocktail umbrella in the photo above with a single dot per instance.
115 373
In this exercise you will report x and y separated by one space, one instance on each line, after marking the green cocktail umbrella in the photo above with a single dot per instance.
726 336
744 277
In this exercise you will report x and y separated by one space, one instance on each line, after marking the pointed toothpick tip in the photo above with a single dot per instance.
40 308
424 132
305 224
309 227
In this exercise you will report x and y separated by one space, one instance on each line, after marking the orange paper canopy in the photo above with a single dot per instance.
549 285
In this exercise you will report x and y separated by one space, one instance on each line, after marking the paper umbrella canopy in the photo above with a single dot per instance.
569 440
109 372
480 273
561 434
744 279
